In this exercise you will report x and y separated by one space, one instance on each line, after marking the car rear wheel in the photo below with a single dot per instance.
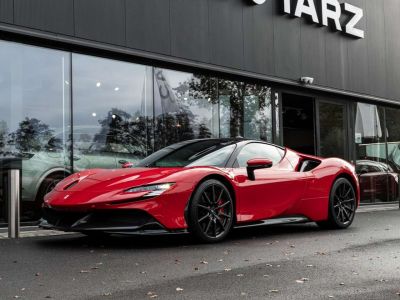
211 211
342 205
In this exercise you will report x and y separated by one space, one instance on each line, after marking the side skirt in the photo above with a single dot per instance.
275 221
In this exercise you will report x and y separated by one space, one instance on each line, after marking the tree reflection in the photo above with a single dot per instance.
175 121
243 98
120 127
30 135
3 135
187 109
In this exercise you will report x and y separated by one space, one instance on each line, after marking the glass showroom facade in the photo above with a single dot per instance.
63 112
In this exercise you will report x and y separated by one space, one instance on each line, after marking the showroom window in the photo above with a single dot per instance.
371 164
189 106
332 129
121 112
184 107
112 112
35 116
245 110
393 150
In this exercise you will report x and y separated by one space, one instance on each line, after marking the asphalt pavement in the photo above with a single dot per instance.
276 262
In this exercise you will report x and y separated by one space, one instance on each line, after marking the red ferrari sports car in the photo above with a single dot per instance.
206 187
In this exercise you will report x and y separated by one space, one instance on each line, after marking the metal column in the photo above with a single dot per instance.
13 203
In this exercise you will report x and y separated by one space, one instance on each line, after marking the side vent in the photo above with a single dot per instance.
308 165
71 185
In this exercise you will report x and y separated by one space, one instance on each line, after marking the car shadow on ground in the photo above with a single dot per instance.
239 235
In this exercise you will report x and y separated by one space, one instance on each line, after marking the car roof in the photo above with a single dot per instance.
236 140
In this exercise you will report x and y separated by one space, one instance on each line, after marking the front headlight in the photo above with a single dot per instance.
152 190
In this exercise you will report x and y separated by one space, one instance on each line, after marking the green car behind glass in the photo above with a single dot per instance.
42 170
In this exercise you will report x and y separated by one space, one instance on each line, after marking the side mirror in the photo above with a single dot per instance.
125 164
255 164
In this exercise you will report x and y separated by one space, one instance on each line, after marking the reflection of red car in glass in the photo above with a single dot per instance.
378 181
206 187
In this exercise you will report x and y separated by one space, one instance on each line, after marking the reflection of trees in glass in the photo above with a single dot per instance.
242 97
258 112
244 108
173 128
3 135
119 127
114 127
204 132
176 120
31 135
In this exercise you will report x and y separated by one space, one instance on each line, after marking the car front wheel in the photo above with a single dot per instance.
211 211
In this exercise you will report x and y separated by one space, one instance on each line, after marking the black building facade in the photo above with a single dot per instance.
92 83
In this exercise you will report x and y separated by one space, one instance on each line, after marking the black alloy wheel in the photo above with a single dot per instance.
211 211
342 205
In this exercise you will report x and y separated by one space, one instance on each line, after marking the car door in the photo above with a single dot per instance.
273 191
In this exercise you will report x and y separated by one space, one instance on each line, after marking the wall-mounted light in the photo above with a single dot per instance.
259 1
307 80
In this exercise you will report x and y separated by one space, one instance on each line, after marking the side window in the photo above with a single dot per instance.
258 150
373 169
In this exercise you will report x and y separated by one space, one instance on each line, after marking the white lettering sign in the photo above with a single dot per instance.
309 10
358 14
259 1
330 12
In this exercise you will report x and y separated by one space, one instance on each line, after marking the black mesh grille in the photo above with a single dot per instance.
61 218
97 219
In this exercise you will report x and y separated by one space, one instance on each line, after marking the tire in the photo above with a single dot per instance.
46 186
211 211
342 205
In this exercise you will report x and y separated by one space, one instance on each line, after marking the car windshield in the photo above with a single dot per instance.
200 153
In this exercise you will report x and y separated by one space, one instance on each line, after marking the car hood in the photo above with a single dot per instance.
113 179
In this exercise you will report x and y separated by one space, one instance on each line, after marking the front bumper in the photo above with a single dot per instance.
110 221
